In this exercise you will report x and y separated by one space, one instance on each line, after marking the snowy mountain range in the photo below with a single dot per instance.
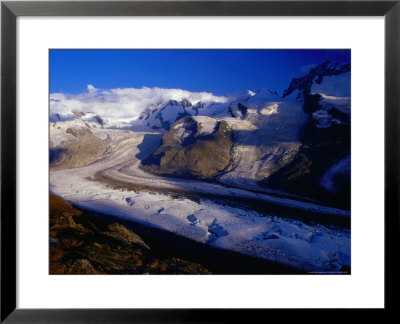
274 137
212 168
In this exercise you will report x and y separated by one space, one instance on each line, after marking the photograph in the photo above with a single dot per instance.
200 161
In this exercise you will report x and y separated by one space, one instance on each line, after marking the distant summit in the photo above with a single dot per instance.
301 88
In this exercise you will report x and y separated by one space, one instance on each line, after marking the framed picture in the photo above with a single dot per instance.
205 144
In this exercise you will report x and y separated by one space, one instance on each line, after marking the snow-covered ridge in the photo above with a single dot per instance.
155 108
159 108
207 124
127 103
335 91
328 73
59 130
266 126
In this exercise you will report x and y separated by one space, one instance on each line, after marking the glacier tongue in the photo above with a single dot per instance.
305 246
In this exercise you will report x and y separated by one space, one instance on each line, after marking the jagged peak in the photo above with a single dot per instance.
316 74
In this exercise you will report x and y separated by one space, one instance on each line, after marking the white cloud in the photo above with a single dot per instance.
91 88
122 103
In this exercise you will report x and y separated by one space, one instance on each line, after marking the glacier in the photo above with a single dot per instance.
268 136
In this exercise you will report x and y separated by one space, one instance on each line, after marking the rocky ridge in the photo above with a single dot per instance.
81 243
193 148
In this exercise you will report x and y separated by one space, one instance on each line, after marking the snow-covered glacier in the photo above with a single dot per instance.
98 158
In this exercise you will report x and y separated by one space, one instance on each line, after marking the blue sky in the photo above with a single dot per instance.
221 72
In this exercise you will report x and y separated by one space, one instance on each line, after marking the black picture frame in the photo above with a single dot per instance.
10 10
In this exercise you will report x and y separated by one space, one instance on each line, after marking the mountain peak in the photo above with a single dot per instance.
315 74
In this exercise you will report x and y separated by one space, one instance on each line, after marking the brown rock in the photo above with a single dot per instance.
81 243
197 155
120 232
82 266
85 149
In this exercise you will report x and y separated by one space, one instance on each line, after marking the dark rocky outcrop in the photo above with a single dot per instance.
186 151
82 243
321 148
